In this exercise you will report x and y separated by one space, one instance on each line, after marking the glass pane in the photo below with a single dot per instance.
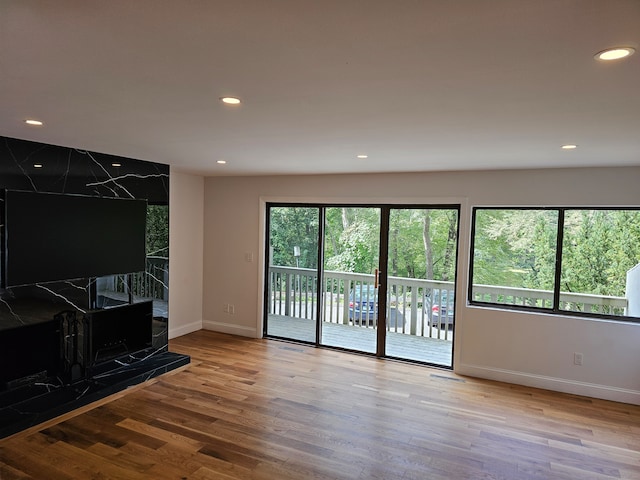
293 272
420 287
152 284
601 262
514 256
112 290
351 256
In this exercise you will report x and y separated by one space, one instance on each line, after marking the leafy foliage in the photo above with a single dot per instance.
512 247
356 239
352 240
294 227
600 246
518 248
158 230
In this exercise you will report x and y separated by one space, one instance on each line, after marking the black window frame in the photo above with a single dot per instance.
555 309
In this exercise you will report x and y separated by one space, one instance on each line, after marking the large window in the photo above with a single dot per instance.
585 261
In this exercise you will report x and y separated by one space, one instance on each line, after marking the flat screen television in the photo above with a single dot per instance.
53 237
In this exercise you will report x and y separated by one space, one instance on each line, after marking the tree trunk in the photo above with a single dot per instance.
393 243
426 239
451 245
394 252
345 219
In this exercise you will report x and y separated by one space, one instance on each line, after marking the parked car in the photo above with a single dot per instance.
363 304
439 307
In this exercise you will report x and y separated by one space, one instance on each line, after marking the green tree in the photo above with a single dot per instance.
518 248
294 227
600 246
542 262
515 248
355 241
158 230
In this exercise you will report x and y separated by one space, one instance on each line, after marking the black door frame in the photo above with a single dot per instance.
383 258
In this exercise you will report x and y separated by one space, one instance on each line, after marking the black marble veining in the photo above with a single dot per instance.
36 403
46 392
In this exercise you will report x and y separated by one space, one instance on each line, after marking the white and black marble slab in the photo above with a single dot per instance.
37 167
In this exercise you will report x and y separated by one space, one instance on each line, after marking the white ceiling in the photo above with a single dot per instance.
418 85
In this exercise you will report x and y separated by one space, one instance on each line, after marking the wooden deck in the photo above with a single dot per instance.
410 347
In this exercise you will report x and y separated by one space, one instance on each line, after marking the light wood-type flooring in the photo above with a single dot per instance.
265 409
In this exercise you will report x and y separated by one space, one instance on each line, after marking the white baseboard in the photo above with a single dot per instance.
184 329
230 328
604 392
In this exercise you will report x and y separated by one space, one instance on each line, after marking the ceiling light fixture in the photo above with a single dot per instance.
32 122
362 156
614 53
116 164
569 147
230 100
37 165
221 162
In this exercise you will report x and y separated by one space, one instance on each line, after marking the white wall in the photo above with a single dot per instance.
633 285
186 214
518 347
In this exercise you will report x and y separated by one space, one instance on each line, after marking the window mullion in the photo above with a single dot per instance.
320 276
558 268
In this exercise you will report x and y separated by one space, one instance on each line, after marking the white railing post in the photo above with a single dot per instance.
346 288
287 294
413 330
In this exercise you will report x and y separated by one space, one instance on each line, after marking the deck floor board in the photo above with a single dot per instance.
437 351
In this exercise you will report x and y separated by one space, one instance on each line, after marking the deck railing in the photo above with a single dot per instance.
293 292
571 302
152 283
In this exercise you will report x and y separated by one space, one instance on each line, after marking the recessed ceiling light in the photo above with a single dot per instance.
230 100
115 164
37 165
35 123
614 53
221 162
569 147
362 156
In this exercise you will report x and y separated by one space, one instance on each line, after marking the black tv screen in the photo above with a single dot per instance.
52 237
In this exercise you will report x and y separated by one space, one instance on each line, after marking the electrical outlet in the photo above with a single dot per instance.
577 358
232 309
225 308
248 256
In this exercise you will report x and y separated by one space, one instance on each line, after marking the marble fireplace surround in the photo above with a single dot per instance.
36 397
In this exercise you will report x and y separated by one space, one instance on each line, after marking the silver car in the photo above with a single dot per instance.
439 307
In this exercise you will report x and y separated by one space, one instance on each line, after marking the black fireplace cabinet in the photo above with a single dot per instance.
74 346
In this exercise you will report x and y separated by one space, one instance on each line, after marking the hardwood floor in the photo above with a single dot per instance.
263 409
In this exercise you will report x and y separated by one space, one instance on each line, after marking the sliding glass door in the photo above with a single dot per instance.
373 279
420 281
351 261
292 277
